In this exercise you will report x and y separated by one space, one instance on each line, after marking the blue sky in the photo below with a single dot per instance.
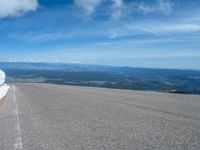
138 33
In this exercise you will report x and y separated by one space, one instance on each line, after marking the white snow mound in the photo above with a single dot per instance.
4 90
3 87
2 77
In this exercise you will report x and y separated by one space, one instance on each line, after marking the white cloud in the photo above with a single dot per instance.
88 6
113 34
164 6
180 28
10 8
40 36
157 29
170 28
120 8
117 9
145 8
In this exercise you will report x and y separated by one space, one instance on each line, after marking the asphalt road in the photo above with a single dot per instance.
55 117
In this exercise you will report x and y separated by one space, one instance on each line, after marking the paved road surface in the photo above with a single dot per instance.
54 117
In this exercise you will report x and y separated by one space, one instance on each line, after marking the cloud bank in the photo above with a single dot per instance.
12 8
120 8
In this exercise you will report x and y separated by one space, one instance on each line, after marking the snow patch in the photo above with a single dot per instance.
2 77
3 87
4 90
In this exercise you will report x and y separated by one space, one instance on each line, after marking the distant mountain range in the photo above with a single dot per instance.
85 67
168 80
